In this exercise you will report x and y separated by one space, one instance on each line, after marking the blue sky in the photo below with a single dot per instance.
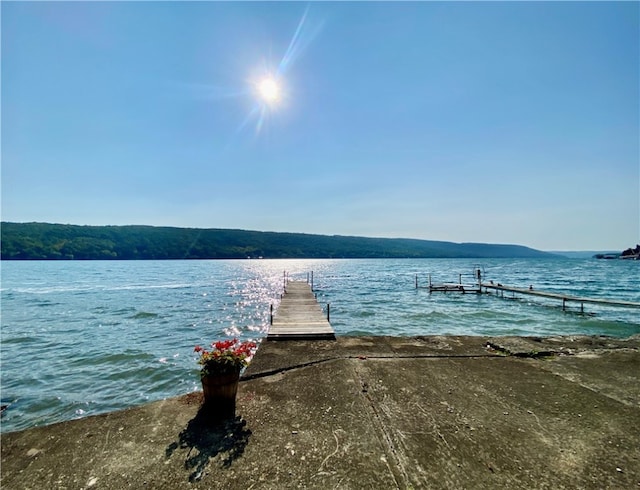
506 122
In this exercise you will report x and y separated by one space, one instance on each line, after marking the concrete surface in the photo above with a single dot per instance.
371 412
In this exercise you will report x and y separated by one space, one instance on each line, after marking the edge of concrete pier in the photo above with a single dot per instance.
370 412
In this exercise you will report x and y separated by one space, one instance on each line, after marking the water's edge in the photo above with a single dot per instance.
82 338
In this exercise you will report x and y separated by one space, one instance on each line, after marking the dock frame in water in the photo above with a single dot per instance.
497 287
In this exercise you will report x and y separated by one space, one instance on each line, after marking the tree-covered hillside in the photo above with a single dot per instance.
45 241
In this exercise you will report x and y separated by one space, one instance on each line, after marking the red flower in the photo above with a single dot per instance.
225 356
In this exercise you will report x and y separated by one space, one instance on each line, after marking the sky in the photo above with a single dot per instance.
497 122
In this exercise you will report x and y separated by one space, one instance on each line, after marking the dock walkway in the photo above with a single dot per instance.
299 316
481 287
561 296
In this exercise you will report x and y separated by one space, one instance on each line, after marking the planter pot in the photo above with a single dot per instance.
220 395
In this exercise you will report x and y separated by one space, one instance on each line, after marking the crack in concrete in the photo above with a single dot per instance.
273 372
533 354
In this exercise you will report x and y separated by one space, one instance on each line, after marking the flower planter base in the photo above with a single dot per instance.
220 396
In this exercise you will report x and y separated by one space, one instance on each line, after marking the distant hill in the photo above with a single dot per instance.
45 241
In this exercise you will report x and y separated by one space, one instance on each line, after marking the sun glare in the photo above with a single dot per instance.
267 84
269 90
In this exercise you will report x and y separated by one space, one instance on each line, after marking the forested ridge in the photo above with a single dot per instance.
46 241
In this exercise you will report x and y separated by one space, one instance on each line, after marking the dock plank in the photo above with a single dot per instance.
299 316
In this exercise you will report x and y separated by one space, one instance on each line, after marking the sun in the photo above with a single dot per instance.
269 90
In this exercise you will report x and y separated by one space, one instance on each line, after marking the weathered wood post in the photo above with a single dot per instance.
271 314
328 312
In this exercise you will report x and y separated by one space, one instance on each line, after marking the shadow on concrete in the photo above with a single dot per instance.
206 439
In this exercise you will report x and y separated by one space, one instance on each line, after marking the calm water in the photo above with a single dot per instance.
81 338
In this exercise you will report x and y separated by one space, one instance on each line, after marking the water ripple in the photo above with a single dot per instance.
81 338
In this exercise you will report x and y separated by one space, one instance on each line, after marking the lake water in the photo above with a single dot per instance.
81 338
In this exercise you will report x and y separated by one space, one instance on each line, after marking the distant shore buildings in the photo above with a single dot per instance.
628 254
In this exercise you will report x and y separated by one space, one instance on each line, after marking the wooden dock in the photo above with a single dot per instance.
454 287
299 316
446 287
560 296
480 287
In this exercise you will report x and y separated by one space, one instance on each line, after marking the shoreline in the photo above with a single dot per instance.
517 353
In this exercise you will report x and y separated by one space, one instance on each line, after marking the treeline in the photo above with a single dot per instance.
45 241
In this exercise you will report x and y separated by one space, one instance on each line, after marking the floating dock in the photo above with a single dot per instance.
299 316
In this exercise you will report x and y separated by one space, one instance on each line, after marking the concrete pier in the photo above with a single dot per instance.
370 412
